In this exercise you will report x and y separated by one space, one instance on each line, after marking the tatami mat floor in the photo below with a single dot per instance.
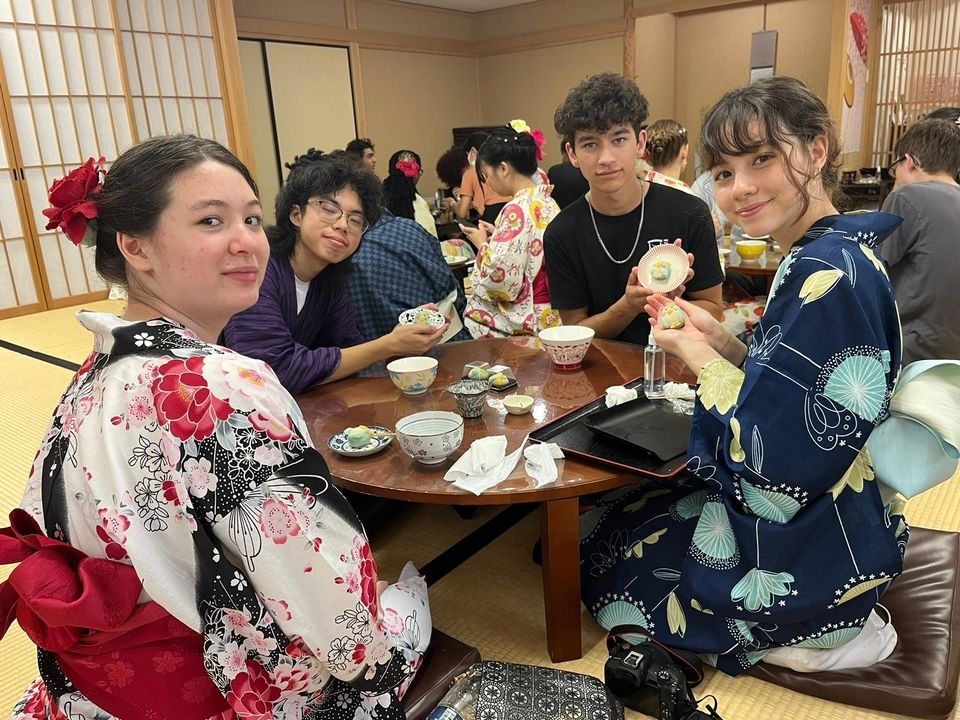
494 600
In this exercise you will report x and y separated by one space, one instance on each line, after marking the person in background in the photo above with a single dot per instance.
303 324
473 192
362 149
568 182
182 551
951 114
511 295
923 254
593 246
667 151
780 543
450 168
400 190
399 266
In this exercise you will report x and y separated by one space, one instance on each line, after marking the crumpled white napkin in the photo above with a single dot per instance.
618 394
678 391
541 462
448 310
483 465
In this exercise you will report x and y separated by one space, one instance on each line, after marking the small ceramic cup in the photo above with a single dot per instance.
470 396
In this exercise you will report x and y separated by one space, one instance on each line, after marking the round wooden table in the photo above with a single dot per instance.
373 400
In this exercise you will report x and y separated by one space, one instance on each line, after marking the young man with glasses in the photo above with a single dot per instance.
304 324
592 247
923 253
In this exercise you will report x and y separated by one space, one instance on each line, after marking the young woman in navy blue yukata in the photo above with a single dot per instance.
778 543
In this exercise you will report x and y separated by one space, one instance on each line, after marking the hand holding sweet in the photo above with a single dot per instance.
700 327
414 339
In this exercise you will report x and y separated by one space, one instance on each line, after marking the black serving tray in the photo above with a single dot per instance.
589 433
649 426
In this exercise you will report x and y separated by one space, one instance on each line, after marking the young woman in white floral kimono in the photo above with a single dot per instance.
181 550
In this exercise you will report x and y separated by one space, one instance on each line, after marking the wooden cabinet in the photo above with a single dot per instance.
82 78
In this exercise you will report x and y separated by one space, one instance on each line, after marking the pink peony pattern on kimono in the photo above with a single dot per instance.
291 679
250 387
183 400
278 521
252 694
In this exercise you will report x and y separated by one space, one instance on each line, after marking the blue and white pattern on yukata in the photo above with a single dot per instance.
779 535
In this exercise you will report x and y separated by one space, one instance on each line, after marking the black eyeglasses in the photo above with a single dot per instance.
893 166
331 212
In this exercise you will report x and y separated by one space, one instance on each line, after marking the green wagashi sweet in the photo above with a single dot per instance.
499 380
672 317
661 270
358 437
478 373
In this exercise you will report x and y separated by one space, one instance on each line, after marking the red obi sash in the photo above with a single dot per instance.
134 661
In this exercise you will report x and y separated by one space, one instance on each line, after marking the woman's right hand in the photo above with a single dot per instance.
414 339
699 322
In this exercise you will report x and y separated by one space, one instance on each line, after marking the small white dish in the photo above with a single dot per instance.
338 443
668 257
518 404
422 316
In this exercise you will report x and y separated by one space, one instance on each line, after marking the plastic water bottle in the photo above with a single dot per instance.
654 369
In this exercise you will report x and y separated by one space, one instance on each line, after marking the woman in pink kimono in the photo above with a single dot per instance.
510 291
182 551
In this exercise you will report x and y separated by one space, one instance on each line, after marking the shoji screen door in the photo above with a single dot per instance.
64 95
81 78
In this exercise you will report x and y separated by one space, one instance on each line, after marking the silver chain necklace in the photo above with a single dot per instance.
636 242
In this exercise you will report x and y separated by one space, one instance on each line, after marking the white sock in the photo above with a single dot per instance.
874 644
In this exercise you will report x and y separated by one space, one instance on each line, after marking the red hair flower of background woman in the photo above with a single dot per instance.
410 168
72 207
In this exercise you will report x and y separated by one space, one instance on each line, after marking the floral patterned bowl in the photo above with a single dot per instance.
566 345
413 375
430 437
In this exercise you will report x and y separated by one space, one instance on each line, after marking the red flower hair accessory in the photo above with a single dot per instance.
540 140
409 167
73 207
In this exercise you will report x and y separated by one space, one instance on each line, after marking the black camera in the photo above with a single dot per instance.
656 681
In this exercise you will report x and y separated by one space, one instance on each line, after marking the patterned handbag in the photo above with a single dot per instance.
494 690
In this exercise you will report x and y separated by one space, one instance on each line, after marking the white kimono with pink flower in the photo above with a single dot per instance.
193 464
511 295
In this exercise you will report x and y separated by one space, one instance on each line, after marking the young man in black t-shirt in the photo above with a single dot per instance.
592 247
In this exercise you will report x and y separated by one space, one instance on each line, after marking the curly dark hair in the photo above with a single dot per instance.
781 112
316 173
597 104
399 191
451 165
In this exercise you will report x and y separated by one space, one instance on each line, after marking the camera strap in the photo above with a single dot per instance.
689 663
653 678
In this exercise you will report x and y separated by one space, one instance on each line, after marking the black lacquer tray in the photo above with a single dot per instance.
628 436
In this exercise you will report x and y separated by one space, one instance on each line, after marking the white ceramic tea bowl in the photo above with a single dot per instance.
430 437
566 345
413 375
518 404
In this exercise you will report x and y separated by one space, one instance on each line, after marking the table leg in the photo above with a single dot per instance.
561 577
